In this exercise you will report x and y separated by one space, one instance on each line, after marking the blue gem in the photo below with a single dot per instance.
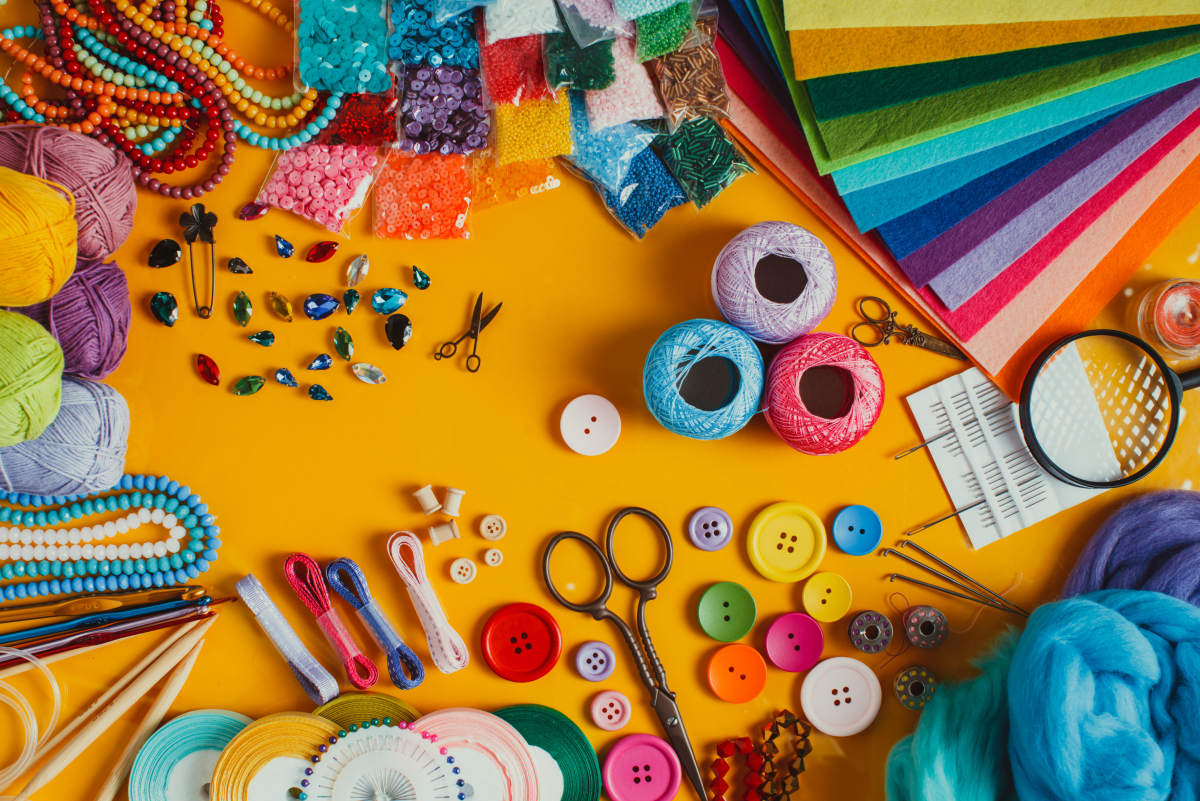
308 771
319 306
322 362
317 392
284 376
304 782
388 300
420 278
285 248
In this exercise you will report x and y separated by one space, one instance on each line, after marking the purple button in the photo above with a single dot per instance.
794 642
595 660
710 529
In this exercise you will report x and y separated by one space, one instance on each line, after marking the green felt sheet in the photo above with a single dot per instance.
839 96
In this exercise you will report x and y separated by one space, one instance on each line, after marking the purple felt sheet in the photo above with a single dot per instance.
963 259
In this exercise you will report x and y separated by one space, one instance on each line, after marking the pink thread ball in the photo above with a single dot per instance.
786 412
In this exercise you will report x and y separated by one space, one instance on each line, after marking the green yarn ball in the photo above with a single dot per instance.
31 368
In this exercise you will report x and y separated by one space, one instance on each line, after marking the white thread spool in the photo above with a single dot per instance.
443 532
453 499
429 502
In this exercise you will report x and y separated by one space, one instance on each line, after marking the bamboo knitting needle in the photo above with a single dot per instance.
149 724
21 667
117 707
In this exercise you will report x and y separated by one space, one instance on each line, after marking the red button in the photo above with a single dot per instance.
521 642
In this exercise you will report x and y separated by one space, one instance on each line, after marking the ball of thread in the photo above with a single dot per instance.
31 365
735 282
786 412
82 451
101 180
90 318
674 355
37 238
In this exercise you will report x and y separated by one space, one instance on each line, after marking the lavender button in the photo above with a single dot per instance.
595 660
710 529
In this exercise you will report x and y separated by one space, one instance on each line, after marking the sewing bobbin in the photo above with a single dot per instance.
925 627
914 687
871 632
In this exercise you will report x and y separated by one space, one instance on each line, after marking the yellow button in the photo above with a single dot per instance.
786 542
827 597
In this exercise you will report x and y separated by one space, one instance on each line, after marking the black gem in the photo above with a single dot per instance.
165 253
239 267
398 329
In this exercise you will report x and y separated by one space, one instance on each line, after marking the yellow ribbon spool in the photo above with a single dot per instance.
287 734
350 708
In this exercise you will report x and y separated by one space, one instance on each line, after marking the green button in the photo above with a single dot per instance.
727 611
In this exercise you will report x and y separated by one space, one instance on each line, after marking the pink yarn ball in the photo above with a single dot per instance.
795 424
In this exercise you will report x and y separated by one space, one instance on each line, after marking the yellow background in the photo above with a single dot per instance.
583 302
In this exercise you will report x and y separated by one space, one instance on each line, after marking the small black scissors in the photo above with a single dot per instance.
448 349
886 328
654 676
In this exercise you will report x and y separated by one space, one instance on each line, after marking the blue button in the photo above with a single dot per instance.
857 530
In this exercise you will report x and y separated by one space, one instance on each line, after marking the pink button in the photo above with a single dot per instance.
794 642
840 696
641 767
610 710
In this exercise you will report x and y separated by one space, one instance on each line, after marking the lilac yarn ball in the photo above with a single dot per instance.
90 318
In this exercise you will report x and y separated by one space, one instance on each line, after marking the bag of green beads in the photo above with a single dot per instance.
570 65
703 158
664 31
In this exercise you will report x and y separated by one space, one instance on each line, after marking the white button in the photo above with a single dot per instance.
493 527
590 425
610 710
493 557
840 696
462 571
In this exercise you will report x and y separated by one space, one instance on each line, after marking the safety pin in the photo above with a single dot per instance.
947 433
956 594
198 223
958 572
944 577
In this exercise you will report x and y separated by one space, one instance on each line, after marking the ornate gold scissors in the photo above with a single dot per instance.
886 328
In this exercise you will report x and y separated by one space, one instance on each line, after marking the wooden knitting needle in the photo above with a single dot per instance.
117 707
149 724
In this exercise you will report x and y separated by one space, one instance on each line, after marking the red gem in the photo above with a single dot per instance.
752 780
719 786
751 795
322 251
720 767
208 369
253 211
725 749
744 745
754 760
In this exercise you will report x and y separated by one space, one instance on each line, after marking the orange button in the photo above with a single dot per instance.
737 673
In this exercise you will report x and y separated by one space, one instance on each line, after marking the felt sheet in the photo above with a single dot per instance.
965 258
732 28
889 129
835 51
839 96
816 14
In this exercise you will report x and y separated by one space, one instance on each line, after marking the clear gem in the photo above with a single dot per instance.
282 306
369 373
398 329
249 385
285 248
239 267
253 211
351 298
358 270
208 369
322 251
322 362
317 392
243 309
388 300
164 308
165 253
264 338
284 376
343 344
420 279
319 306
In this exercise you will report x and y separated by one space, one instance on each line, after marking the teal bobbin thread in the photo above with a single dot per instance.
202 730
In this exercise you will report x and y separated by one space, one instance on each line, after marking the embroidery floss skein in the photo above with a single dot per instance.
37 236
31 364
446 647
799 427
704 349
756 285
308 582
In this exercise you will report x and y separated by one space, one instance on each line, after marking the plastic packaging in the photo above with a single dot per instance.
327 184
362 119
664 31
514 71
495 183
605 155
383 630
568 65
536 129
631 96
424 197
702 157
512 19
443 111
634 9
647 193
691 81
445 10
591 21
341 46
419 38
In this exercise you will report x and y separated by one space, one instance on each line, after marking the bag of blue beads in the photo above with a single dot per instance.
420 36
342 46
605 155
446 10
647 192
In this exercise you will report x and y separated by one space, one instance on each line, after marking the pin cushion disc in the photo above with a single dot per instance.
786 542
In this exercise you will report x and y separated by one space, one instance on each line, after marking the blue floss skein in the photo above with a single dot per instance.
675 354
357 594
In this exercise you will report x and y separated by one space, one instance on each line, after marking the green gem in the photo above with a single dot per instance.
249 385
243 309
343 344
387 721
351 298
420 279
342 733
164 308
374 721
353 727
264 338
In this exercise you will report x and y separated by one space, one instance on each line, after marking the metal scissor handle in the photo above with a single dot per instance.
649 587
885 326
596 608
443 353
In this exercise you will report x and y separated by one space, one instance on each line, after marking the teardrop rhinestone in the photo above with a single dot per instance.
343 344
243 309
420 279
284 247
398 329
165 253
208 369
253 211
322 251
239 267
351 298
317 392
369 373
388 300
282 306
249 385
358 270
164 308
264 338
322 362
284 376
319 306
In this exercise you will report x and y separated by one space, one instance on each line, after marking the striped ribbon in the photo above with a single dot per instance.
446 648
493 739
308 582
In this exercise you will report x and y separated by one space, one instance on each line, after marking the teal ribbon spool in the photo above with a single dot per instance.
558 735
203 730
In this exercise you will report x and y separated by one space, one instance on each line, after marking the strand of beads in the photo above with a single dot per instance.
94 574
66 545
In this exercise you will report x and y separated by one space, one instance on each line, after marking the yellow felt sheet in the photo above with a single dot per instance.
818 14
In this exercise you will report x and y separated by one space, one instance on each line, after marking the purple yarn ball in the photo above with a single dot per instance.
1151 543
90 318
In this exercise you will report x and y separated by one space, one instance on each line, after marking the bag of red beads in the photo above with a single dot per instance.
327 184
514 70
497 183
363 119
424 197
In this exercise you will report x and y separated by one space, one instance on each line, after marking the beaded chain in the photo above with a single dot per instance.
66 561
763 780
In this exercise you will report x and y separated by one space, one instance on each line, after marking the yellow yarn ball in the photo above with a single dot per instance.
31 366
38 238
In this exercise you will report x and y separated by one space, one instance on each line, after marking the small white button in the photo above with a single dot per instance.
493 557
590 425
443 532
840 696
462 571
493 527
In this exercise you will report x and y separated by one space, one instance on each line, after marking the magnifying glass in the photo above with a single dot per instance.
1100 409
